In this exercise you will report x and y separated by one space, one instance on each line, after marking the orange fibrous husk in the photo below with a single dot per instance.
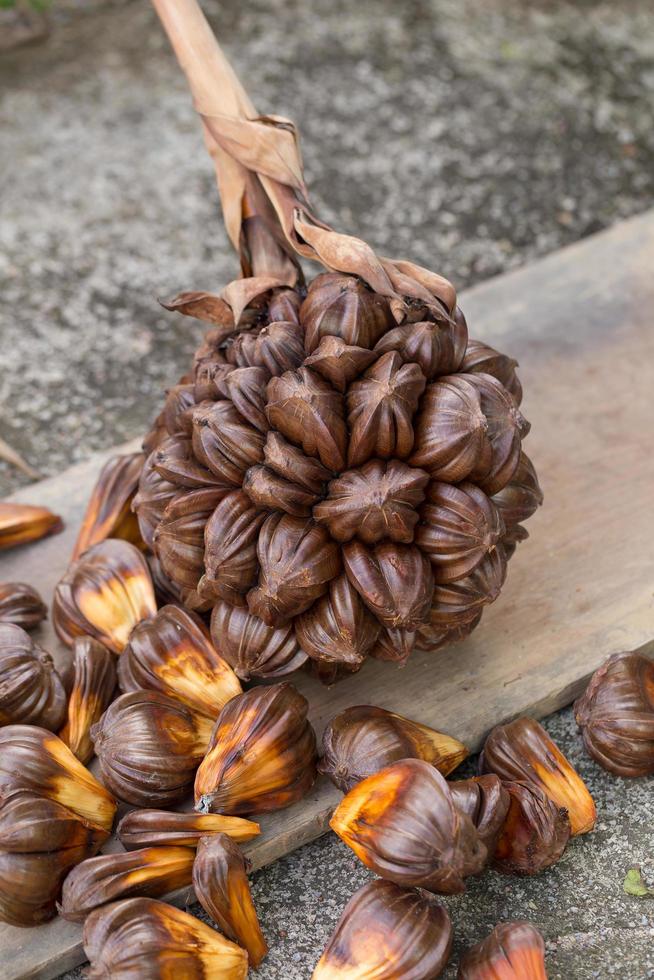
104 594
513 951
522 750
94 683
364 739
139 937
109 510
262 754
22 523
150 828
34 759
221 885
403 824
173 653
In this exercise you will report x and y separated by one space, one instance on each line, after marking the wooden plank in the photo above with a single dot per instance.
579 322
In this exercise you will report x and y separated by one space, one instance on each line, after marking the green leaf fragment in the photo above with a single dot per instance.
634 885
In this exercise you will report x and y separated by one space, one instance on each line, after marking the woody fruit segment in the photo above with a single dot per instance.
141 937
387 932
363 739
513 951
523 751
403 823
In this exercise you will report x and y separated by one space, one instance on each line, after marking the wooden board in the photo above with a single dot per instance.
582 587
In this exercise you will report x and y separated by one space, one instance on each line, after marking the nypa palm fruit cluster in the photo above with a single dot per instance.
340 473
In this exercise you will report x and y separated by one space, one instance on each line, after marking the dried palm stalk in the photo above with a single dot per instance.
331 476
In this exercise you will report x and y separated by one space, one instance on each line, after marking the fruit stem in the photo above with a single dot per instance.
259 172
213 82
218 94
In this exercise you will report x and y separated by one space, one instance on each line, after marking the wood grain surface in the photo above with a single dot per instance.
582 587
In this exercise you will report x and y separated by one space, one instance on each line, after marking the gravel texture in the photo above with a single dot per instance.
470 137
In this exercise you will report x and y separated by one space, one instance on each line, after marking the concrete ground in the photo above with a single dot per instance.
471 137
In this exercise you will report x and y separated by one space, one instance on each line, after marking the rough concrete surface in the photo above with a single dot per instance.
468 136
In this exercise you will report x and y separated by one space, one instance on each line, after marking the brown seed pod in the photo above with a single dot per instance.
486 802
297 561
456 604
34 760
480 358
394 580
31 824
180 399
151 499
523 751
338 362
172 653
337 629
535 832
521 496
21 605
104 594
149 746
156 828
109 510
436 637
291 463
386 932
380 410
309 412
30 883
507 427
451 437
277 347
31 691
368 371
174 461
459 527
208 374
262 754
21 523
284 306
221 886
616 715
179 539
149 872
378 500
394 645
224 442
166 592
143 939
269 491
343 306
437 347
403 824
245 388
512 539
252 648
94 683
513 951
230 552
364 739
